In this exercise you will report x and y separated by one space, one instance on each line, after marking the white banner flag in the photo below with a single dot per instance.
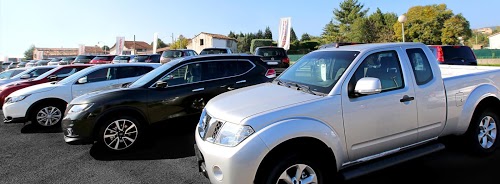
120 41
155 42
81 49
284 33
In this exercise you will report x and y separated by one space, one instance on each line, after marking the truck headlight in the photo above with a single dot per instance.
15 98
80 108
233 134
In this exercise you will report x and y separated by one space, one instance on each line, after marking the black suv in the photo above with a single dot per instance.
454 54
146 58
274 57
83 59
117 119
169 55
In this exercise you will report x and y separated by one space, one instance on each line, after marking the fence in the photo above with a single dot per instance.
487 53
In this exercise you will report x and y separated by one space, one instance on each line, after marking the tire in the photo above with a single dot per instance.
286 169
47 115
482 135
120 134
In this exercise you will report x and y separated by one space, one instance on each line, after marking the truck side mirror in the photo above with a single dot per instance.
368 86
161 84
82 80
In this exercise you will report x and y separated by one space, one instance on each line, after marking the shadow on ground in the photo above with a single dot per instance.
30 129
164 141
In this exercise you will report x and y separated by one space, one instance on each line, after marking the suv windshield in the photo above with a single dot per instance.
140 58
88 58
55 59
457 52
213 51
122 58
271 52
319 71
172 54
68 59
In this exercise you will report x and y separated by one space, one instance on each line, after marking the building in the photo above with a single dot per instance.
485 30
207 40
494 41
45 53
160 50
128 48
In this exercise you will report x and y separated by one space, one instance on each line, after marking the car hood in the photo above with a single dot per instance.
35 89
96 95
235 106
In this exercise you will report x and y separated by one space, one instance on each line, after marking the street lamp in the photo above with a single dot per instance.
402 19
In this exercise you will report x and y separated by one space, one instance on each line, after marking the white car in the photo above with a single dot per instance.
44 104
28 73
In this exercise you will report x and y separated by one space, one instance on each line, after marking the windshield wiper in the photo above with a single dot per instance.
306 89
282 83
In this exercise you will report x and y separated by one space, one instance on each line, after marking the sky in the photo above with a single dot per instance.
68 23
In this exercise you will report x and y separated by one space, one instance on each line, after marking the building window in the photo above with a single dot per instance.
201 42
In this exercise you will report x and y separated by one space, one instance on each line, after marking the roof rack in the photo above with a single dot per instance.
337 45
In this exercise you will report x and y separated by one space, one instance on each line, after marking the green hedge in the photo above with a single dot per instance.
260 43
487 53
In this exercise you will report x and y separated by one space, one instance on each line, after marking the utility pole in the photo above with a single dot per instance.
134 46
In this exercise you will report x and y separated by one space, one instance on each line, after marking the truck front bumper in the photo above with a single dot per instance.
229 165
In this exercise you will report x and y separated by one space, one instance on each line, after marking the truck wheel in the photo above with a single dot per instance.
483 133
47 115
296 169
120 134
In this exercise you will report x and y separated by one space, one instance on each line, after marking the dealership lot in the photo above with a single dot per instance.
30 156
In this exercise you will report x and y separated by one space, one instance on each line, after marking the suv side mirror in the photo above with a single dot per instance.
368 86
82 80
52 78
161 84
25 76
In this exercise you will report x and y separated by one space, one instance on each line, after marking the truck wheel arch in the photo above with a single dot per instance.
482 97
313 132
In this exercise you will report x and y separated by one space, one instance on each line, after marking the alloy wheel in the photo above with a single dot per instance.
48 116
487 132
120 134
298 174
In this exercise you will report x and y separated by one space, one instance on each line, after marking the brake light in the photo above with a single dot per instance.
271 73
440 54
286 60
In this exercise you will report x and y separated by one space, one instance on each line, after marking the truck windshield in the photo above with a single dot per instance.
320 71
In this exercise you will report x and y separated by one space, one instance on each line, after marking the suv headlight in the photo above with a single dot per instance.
15 98
80 108
233 134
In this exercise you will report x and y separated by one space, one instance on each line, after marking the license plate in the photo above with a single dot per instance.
272 63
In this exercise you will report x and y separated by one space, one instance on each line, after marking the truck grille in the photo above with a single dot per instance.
209 127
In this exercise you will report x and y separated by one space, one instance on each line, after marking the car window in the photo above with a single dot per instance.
213 51
98 75
420 66
184 75
15 72
172 54
271 52
221 69
457 52
65 72
107 58
39 71
132 71
6 74
122 58
383 65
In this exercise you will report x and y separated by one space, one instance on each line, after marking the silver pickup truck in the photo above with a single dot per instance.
347 111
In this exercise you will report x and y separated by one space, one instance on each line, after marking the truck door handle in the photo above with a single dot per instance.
406 98
199 89
241 81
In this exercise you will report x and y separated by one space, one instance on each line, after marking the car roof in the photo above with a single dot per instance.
132 64
265 47
370 46
219 56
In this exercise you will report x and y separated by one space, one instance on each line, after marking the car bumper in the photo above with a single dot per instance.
228 165
78 130
15 112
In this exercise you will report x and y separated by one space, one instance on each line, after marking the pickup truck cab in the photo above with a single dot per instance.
346 112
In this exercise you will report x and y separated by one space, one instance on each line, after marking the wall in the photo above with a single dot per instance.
488 61
495 42
195 42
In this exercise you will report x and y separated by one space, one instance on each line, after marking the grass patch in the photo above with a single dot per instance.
490 64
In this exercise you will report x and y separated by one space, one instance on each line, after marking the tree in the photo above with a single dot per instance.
268 34
105 48
293 36
349 11
160 43
330 33
455 27
28 54
424 24
305 37
363 31
259 35
232 35
180 43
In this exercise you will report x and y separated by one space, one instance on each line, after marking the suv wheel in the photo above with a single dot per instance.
482 135
46 115
120 134
296 168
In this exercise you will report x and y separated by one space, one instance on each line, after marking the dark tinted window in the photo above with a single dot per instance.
56 59
219 69
122 58
40 71
184 75
7 74
132 71
107 58
155 58
383 65
420 66
213 51
271 52
65 72
68 59
172 54
98 76
457 52
15 72
140 58
85 57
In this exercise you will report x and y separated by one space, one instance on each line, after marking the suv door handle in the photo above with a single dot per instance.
241 81
199 89
406 98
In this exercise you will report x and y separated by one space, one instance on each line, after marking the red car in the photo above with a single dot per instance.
104 59
51 75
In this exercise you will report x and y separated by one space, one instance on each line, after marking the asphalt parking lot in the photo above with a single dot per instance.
32 156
